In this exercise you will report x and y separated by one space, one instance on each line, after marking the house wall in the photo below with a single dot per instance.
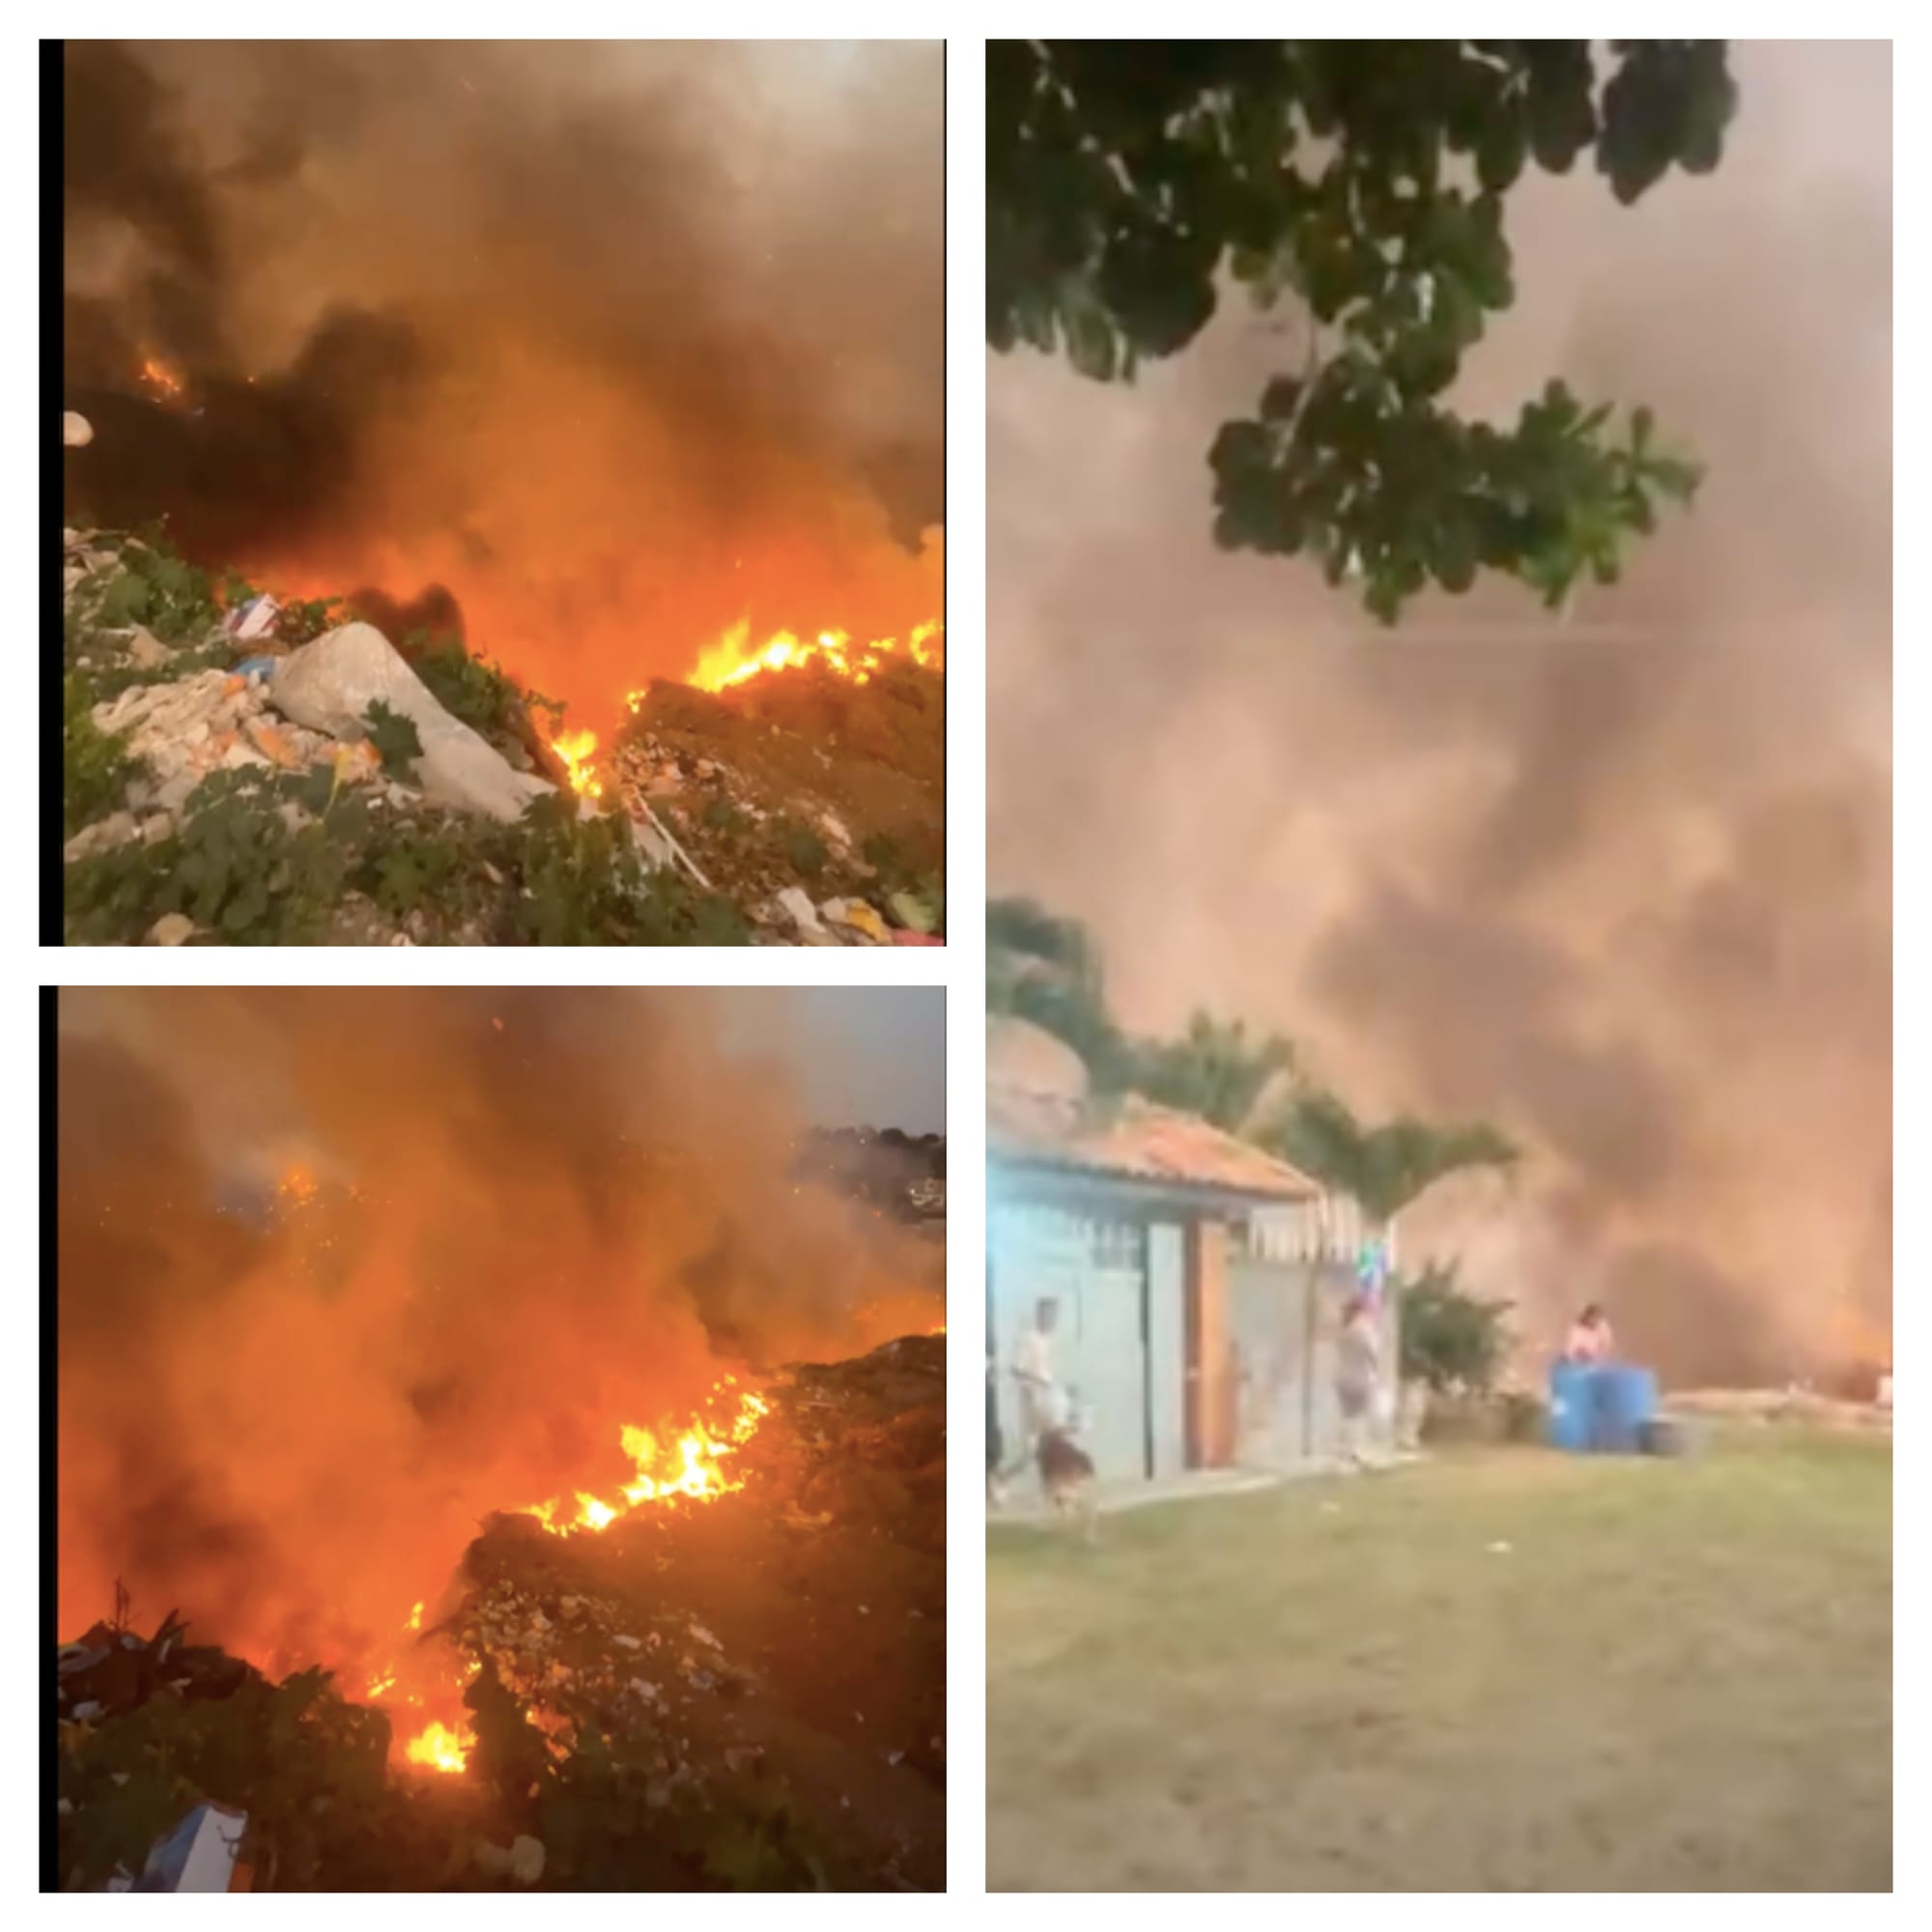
1094 1266
1284 1317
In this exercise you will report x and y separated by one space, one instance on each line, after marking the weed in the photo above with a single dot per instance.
395 738
95 765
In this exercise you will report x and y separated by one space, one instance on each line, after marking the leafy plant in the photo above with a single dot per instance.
306 619
721 814
1130 183
805 851
95 765
1450 1339
395 737
482 695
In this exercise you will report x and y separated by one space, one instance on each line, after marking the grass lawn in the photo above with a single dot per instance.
1677 1677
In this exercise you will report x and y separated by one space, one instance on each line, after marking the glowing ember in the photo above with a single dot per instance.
415 1622
438 1747
734 657
690 1469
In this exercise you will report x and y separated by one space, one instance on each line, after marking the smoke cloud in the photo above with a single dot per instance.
536 1216
1622 883
611 346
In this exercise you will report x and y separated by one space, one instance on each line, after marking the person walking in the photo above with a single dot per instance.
1358 1359
1033 1373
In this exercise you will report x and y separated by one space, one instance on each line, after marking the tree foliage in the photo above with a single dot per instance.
1451 1339
1386 1168
1130 184
1216 1070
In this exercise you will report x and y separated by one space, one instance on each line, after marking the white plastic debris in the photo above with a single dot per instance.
255 618
199 1854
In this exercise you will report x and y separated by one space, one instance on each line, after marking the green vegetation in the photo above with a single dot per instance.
95 766
248 870
1450 1339
1130 183
397 741
482 695
1503 1670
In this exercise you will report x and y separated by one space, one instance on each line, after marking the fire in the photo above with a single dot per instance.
734 657
161 379
439 1749
690 1469
575 748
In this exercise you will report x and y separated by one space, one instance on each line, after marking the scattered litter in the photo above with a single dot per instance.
201 1853
912 912
703 1636
255 618
628 1641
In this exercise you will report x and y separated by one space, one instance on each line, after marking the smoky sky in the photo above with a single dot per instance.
525 1218
1621 883
616 345
870 1057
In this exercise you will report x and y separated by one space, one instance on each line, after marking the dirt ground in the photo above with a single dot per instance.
1502 1670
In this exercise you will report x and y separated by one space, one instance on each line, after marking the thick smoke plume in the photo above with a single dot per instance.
1622 883
612 346
343 1270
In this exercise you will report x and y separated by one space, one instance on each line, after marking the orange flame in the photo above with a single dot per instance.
734 657
438 1747
575 748
160 378
692 1469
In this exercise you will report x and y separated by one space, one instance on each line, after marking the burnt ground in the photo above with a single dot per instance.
746 1693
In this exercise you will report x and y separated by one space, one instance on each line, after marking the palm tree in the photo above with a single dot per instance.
1047 970
1215 1069
1384 1169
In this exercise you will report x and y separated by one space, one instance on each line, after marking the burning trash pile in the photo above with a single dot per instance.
732 1684
239 770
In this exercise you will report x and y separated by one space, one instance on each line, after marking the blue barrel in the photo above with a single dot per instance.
1626 1407
1573 1406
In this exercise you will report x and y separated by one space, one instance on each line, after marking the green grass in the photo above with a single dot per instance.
1678 1677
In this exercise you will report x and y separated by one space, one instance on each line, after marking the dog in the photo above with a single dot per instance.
1066 1476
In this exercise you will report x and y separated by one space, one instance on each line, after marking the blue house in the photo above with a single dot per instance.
1199 1281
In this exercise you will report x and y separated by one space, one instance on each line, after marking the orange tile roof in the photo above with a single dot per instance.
1134 1140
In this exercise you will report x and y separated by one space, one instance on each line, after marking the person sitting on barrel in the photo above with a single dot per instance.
1590 1339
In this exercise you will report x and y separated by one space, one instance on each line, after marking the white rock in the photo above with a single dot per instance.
329 684
172 928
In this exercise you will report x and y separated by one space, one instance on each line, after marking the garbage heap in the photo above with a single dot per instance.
228 762
741 1693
